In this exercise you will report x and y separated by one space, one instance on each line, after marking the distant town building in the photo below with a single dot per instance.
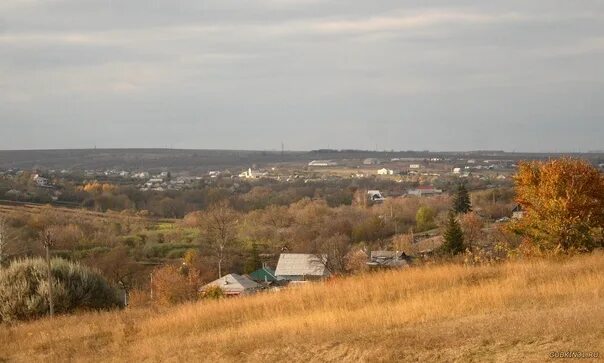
414 166
323 163
141 175
371 161
41 181
385 171
456 170
251 174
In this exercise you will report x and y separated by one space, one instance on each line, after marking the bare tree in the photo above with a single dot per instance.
219 231
332 252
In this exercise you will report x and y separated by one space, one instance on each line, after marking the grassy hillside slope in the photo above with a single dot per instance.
517 311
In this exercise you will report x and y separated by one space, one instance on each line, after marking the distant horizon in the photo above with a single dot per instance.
307 151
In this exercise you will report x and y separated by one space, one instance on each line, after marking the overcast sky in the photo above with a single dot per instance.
389 74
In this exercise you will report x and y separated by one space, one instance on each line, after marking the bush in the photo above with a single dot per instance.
24 289
213 293
138 298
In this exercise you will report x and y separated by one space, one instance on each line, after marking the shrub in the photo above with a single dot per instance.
138 298
24 289
213 292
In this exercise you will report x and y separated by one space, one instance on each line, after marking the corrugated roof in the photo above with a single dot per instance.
301 264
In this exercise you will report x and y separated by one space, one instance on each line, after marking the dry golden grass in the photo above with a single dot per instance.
516 311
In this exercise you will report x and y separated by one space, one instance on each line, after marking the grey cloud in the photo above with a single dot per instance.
512 75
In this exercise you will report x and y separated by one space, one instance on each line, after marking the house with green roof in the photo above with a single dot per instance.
266 275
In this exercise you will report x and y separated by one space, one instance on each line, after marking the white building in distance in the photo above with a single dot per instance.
251 174
385 171
322 163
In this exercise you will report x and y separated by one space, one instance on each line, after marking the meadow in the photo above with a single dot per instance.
513 311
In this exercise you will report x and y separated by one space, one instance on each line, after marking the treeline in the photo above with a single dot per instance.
241 195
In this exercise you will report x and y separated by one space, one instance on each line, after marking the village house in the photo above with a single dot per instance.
235 285
266 276
375 196
425 190
297 267
389 259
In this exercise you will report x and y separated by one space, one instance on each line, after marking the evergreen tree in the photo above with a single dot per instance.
254 261
453 236
461 201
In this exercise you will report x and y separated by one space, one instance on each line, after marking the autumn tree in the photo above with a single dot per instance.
563 201
172 285
461 201
219 231
471 225
453 236
117 266
403 243
425 218
333 251
356 261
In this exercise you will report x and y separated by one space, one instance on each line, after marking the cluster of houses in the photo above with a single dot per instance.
41 181
164 182
296 268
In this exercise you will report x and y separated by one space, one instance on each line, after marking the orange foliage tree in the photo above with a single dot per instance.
173 285
563 201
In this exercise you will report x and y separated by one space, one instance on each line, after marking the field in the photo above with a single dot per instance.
510 312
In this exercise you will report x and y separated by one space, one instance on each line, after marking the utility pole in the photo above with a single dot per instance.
151 284
3 241
48 243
